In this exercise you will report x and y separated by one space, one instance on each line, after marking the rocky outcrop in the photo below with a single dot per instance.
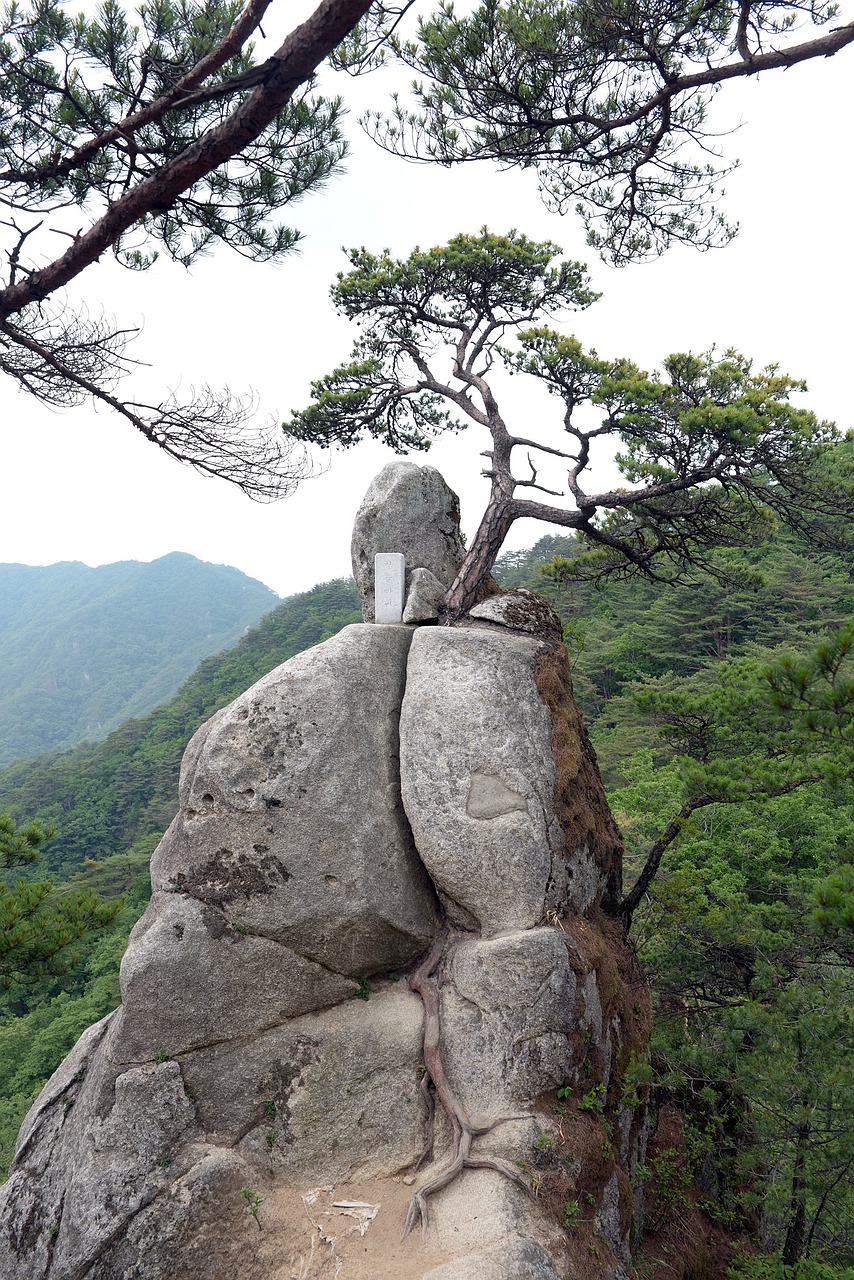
273 1099
410 510
477 777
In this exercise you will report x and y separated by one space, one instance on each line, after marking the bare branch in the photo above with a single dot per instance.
210 432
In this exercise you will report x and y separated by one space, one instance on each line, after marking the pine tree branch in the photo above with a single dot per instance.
295 62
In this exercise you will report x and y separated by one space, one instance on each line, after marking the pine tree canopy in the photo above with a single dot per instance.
713 451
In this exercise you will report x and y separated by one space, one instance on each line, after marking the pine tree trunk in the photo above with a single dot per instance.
794 1243
467 588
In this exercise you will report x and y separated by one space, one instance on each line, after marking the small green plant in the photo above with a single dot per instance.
544 1142
241 929
760 1267
162 1056
672 1184
165 1160
594 1101
565 1092
253 1199
636 1077
270 1109
270 1139
571 1215
533 1175
363 989
67 1104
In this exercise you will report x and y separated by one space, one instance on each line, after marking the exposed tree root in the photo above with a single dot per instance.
425 982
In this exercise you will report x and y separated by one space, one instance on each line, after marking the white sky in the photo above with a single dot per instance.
81 485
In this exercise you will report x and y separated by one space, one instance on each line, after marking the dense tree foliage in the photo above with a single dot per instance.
163 132
41 1021
38 926
713 452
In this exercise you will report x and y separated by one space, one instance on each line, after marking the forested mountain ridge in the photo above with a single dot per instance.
83 649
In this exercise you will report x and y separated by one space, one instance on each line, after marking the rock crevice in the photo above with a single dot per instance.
390 791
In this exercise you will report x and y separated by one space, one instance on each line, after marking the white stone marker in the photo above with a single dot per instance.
389 578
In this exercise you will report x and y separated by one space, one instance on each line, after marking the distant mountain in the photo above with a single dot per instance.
82 650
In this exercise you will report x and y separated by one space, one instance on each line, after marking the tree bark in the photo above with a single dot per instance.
467 588
793 1246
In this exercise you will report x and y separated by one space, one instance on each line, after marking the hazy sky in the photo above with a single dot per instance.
81 485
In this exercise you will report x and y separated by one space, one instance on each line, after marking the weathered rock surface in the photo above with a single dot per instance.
242 1116
290 869
506 1004
409 509
522 1260
189 978
477 777
520 610
334 1093
422 599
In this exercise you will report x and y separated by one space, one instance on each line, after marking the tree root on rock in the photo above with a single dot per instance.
425 982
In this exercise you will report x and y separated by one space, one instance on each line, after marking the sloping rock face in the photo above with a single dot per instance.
257 1107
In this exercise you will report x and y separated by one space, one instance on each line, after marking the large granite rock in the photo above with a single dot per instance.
290 870
255 1108
477 776
506 1006
411 510
332 1096
516 1260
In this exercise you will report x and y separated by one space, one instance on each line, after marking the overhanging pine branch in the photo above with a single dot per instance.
293 64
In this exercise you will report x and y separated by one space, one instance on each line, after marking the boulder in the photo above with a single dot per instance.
290 869
190 979
411 510
520 610
506 1005
292 824
477 776
327 1097
423 597
256 1109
